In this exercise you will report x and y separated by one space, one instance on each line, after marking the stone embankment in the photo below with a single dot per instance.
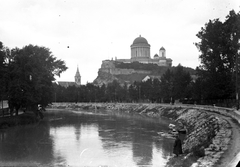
208 133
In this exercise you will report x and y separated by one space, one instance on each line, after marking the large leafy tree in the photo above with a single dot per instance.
4 54
219 45
175 84
31 73
2 70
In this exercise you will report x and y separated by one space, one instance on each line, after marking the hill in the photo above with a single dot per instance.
129 72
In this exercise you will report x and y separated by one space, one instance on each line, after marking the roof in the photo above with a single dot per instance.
162 48
140 40
146 78
77 73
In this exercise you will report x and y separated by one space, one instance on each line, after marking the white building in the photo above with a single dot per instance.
140 52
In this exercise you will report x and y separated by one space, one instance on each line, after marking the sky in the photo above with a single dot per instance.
83 33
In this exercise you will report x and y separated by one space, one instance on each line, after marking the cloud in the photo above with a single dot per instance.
96 30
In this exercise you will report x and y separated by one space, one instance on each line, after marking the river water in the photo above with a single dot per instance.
75 138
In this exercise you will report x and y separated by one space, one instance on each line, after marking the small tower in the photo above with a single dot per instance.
78 77
162 52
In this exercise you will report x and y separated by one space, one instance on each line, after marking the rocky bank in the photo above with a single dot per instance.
208 133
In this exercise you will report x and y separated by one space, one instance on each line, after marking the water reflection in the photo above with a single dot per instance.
76 139
77 132
27 144
139 136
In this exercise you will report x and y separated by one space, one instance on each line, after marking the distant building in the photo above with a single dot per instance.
140 52
76 83
146 78
78 77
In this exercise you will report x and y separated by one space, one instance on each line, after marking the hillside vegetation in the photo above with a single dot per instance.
155 69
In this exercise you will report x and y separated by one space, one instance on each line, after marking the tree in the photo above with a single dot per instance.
134 91
102 93
175 84
31 73
156 95
2 72
146 90
113 91
181 82
167 86
219 47
2 68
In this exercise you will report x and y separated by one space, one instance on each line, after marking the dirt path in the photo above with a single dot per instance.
233 148
228 156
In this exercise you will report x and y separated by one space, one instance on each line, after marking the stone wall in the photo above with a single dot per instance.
107 64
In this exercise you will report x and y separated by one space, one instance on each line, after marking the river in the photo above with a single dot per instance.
76 138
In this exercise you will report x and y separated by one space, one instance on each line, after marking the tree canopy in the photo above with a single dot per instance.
219 47
29 77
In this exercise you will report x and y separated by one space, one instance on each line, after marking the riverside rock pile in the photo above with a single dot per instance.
208 135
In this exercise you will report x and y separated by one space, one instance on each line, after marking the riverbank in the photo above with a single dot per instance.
21 119
210 132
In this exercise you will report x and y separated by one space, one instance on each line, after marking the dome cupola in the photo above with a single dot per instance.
156 56
140 40
140 50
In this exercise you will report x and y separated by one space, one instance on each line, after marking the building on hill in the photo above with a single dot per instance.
140 52
77 82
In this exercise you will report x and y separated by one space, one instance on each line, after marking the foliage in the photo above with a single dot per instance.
3 54
27 74
175 84
219 47
153 90
137 66
30 73
153 68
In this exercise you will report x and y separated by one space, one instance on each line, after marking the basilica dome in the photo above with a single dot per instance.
140 50
140 40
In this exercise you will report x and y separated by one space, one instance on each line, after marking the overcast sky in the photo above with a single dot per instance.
97 30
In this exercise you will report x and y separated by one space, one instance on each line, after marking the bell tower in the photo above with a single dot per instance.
78 77
162 52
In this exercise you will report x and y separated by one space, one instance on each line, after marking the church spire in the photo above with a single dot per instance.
78 77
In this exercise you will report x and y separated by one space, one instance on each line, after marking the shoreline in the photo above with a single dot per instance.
21 119
223 134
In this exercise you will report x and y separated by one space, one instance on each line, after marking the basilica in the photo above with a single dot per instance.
140 52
